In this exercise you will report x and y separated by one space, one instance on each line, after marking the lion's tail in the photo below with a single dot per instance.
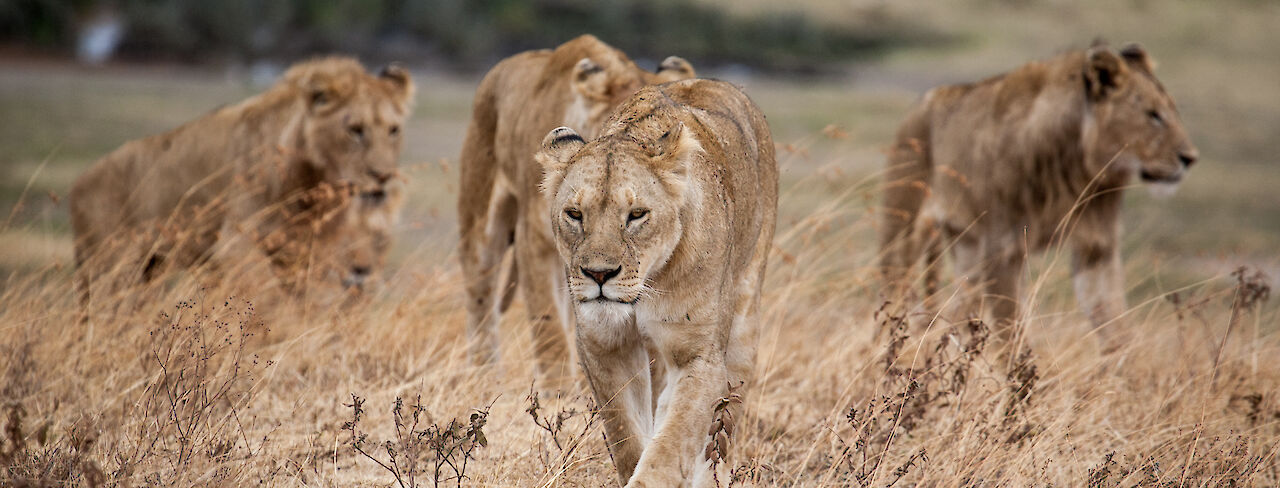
906 185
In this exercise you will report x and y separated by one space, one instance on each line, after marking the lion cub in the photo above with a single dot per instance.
664 224
1035 157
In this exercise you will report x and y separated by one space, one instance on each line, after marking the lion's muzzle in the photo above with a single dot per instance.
598 288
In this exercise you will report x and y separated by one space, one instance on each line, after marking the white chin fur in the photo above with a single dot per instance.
605 311
1162 190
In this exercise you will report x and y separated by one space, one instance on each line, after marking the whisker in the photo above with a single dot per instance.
648 285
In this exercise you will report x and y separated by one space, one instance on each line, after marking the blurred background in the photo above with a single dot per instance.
446 34
80 77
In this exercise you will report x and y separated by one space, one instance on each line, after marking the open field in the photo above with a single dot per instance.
183 384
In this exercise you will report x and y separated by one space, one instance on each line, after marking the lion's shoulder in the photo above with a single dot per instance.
716 109
1012 90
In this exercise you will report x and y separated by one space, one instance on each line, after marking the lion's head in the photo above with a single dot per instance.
1135 124
604 77
351 129
356 244
616 205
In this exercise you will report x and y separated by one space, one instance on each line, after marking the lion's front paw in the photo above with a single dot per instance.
651 479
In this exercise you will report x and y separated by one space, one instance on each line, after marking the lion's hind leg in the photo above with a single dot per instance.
480 266
509 282
908 173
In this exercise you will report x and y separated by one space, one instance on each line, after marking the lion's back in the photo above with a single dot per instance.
520 110
729 115
740 153
149 177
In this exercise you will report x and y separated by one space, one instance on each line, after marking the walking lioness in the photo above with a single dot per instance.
499 205
1034 157
664 224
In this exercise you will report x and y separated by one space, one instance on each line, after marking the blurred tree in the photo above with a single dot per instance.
45 23
467 33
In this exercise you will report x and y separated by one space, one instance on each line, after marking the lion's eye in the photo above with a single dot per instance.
395 130
637 214
573 215
356 130
1155 116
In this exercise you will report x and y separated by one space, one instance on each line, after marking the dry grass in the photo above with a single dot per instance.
196 381
197 385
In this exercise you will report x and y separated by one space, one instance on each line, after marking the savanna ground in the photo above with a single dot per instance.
193 383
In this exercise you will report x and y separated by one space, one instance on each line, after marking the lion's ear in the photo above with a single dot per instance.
399 78
558 148
1104 72
672 153
322 88
1137 56
675 68
318 97
319 90
316 81
589 79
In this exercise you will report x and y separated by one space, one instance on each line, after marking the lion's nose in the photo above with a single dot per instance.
600 276
356 279
1188 157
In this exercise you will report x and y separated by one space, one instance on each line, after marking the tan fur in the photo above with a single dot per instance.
233 184
664 225
499 205
1032 158
349 251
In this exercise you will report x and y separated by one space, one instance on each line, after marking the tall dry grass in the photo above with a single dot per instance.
195 381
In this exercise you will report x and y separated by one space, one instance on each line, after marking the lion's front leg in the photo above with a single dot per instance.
1098 276
695 380
616 364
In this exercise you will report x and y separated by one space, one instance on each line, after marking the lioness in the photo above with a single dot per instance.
1034 157
230 184
665 224
499 204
